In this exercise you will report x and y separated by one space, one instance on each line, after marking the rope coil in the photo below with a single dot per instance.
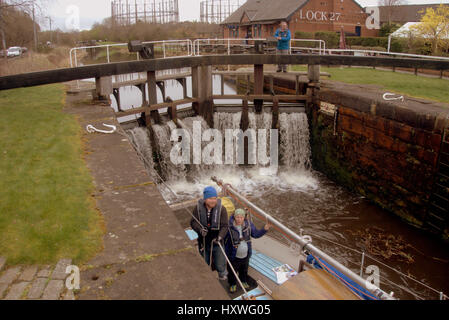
91 129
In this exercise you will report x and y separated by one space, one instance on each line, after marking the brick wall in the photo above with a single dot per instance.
385 151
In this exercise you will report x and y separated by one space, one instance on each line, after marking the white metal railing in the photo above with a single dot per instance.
243 42
383 53
225 42
194 48
164 44
321 49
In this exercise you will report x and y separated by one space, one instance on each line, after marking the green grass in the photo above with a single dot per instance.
46 208
408 84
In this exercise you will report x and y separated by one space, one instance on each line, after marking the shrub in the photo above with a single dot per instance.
387 28
304 35
368 41
331 38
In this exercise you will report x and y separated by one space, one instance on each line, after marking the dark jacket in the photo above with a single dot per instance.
218 222
232 237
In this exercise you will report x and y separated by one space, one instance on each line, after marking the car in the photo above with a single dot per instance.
14 52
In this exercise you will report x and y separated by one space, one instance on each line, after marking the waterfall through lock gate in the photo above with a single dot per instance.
188 180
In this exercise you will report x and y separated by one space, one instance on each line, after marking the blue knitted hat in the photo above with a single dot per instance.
209 192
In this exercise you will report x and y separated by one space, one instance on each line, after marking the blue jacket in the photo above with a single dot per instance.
232 237
284 43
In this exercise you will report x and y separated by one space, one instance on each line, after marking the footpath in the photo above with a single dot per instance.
146 254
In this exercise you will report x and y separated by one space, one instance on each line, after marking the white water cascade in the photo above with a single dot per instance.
189 180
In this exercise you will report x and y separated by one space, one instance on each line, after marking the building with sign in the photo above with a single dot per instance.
261 18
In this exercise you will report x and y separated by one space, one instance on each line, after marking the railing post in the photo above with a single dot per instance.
244 125
152 99
202 90
361 265
275 121
103 86
222 84
172 110
313 74
258 86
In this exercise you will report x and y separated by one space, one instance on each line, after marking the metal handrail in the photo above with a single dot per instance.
388 53
305 244
196 43
322 44
107 46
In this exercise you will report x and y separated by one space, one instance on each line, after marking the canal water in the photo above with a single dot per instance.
340 222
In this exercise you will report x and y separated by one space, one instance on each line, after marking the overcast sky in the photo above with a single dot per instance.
62 12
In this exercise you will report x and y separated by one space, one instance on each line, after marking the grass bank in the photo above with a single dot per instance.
408 84
33 61
46 208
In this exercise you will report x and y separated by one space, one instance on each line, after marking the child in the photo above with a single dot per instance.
238 247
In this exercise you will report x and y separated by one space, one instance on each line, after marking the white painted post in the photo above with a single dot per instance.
363 262
389 43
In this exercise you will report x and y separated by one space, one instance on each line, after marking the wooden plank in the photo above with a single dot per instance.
270 73
154 107
258 86
266 97
313 284
108 69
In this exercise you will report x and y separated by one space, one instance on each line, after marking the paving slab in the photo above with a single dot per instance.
3 288
16 291
53 290
37 288
44 272
28 273
59 271
10 275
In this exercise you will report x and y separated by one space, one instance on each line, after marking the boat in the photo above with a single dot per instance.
298 271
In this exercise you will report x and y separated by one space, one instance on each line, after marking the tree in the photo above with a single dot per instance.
27 6
391 7
434 26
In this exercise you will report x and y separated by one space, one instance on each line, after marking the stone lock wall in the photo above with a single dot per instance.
386 151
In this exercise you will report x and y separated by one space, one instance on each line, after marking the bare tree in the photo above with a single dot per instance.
32 7
391 7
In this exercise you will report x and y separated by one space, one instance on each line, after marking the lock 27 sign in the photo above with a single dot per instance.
319 15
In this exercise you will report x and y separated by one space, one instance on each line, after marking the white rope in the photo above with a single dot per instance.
232 269
91 129
387 95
